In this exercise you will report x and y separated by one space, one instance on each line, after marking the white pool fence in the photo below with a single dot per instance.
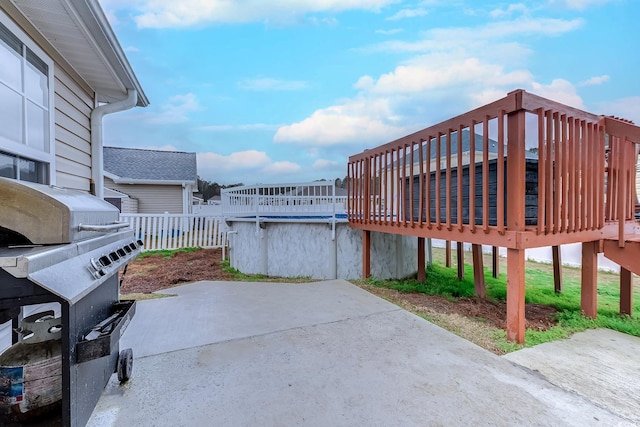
176 231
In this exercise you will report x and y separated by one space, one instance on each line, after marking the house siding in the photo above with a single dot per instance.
73 108
152 199
129 205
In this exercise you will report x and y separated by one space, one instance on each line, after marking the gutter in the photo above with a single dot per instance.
97 157
148 181
102 31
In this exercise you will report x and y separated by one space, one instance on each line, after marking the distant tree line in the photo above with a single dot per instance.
211 189
342 183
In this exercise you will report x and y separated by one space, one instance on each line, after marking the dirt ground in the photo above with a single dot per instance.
154 273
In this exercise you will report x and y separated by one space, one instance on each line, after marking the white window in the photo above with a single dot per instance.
26 107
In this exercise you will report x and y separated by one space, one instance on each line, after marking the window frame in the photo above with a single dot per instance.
21 149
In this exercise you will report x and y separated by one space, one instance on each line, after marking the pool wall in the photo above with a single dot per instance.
294 249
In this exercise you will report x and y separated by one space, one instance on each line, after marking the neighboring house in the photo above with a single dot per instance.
160 181
62 69
123 202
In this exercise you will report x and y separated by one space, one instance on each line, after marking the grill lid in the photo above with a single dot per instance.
45 214
72 270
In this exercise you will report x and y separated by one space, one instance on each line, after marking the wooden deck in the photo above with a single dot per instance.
581 188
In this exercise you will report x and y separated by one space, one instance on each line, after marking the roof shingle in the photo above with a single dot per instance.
135 163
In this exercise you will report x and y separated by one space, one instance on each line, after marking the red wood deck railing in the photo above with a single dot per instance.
520 172
583 189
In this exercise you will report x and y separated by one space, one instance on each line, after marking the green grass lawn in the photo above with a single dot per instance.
539 290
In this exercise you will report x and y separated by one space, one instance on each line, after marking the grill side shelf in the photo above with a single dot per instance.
107 333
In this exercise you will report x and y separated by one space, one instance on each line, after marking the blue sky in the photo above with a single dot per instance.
283 91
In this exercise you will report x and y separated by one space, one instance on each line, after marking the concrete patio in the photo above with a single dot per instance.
329 353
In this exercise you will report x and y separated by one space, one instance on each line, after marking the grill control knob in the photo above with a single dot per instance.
99 273
95 264
114 256
127 249
105 261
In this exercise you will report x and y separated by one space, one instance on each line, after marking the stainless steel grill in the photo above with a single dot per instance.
65 246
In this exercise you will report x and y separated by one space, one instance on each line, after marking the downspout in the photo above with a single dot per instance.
97 161
185 209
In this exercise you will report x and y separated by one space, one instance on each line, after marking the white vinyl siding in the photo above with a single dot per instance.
152 199
129 205
72 132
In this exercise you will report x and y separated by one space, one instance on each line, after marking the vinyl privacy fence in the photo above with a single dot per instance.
175 231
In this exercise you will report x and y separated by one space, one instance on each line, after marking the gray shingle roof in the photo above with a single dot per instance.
134 163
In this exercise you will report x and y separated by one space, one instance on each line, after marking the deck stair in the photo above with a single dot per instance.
627 257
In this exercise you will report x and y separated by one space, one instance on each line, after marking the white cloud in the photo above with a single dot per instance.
408 13
448 39
456 70
353 121
269 84
626 108
331 22
559 90
242 127
167 147
321 164
131 49
249 163
508 11
430 72
280 168
175 110
112 18
188 13
250 159
580 4
483 96
390 32
593 81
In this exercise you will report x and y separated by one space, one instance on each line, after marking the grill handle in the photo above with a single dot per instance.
103 228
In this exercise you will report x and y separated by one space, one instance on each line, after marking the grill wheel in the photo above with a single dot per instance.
125 365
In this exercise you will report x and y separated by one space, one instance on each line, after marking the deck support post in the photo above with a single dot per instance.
589 290
366 254
515 295
495 262
478 271
557 269
447 253
422 277
626 292
460 258
515 183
